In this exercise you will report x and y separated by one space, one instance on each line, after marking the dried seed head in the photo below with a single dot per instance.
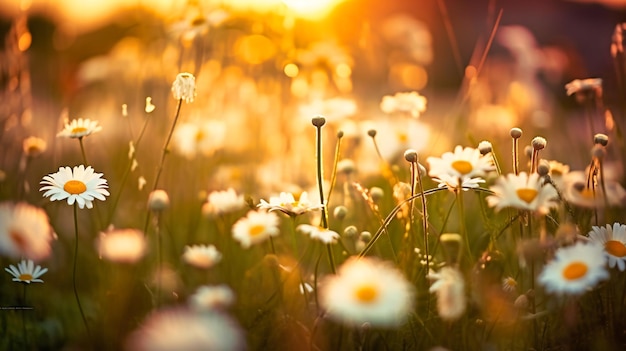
601 139
340 212
340 134
376 193
539 143
350 231
371 132
365 236
318 121
485 147
544 168
410 155
345 166
158 200
516 133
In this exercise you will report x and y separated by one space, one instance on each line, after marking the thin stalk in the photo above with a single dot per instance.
320 185
24 317
515 156
82 151
80 308
462 229
159 252
333 176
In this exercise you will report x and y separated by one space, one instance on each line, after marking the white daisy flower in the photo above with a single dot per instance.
33 146
509 284
78 128
411 103
184 87
524 192
25 231
256 227
222 202
613 238
464 164
449 286
81 185
578 85
202 256
367 290
209 298
122 245
577 192
202 137
176 328
287 204
324 235
574 269
26 272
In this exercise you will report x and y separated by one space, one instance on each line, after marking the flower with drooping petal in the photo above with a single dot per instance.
523 192
367 290
466 165
411 103
578 85
324 235
184 87
26 272
122 245
202 256
613 238
25 231
210 298
222 202
81 185
449 286
177 328
575 269
255 228
287 204
78 128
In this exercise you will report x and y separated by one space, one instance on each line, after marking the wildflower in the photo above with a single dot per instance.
256 227
158 200
149 106
34 146
369 291
199 137
208 298
24 231
509 284
333 109
574 269
579 192
221 202
202 256
579 85
79 128
287 204
465 165
411 103
26 272
324 235
81 185
450 289
177 328
524 192
122 245
613 238
184 87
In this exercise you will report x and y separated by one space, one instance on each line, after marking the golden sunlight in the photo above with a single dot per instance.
311 9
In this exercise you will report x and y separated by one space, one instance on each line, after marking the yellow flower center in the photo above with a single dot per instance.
574 270
403 137
615 248
78 130
75 187
200 135
25 277
527 194
587 193
462 166
366 293
256 229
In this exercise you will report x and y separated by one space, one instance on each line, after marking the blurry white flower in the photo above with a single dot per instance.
122 245
523 192
221 202
574 269
149 106
613 238
577 191
200 137
79 128
466 165
332 109
367 290
184 87
158 200
208 298
25 231
449 286
26 272
255 228
202 256
509 284
33 146
176 328
287 204
578 85
326 236
411 103
81 185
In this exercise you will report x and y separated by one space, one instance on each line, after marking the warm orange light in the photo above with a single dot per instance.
311 9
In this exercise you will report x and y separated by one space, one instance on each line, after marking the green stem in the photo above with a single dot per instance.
82 151
462 229
24 318
80 308
159 249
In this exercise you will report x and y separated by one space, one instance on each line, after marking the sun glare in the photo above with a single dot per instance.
311 9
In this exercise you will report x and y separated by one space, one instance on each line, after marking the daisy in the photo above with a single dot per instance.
34 146
256 227
449 286
577 192
79 128
122 245
208 298
509 284
411 103
324 235
613 238
202 256
222 202
80 185
25 231
524 192
26 272
466 165
287 204
367 290
184 87
578 85
574 269
177 328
